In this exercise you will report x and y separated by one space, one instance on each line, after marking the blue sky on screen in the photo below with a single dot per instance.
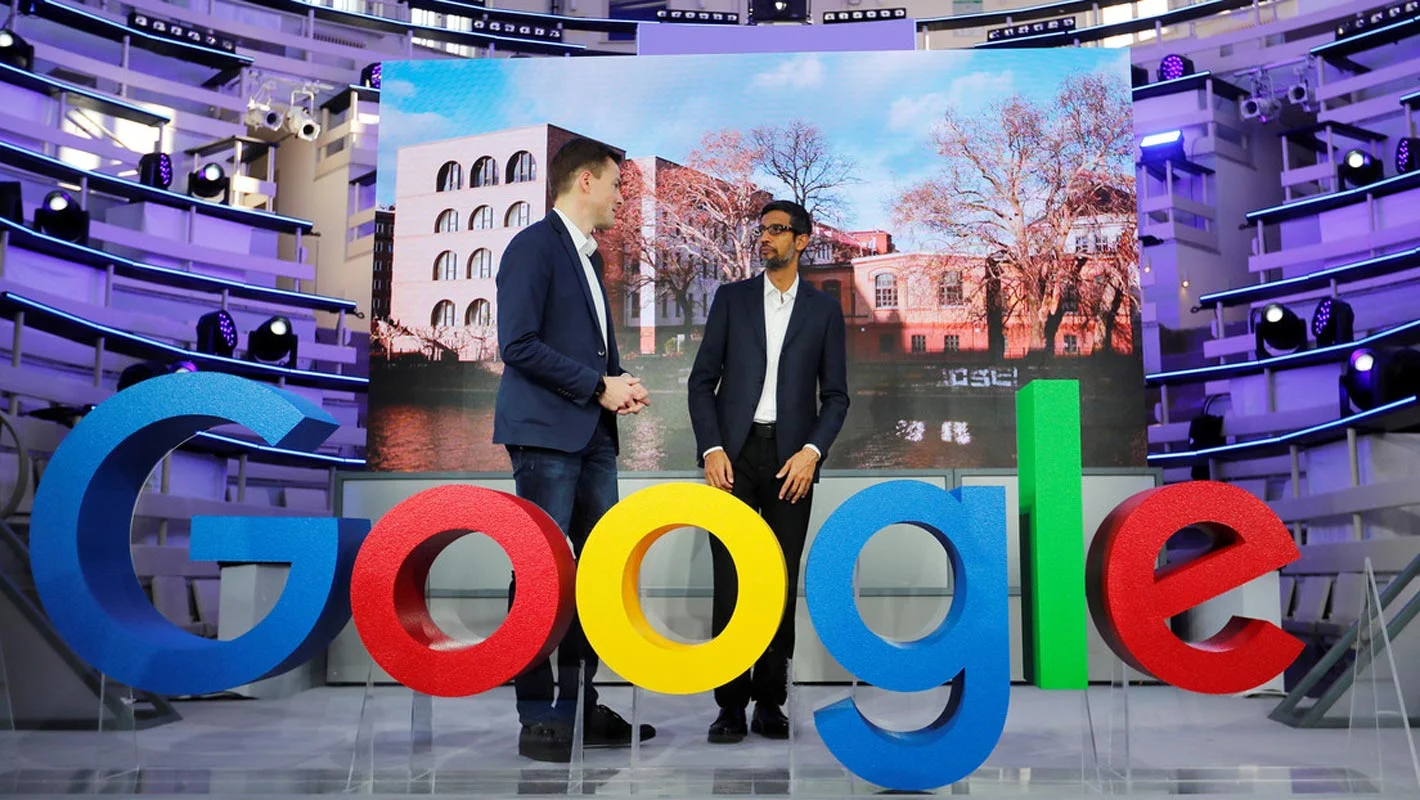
876 108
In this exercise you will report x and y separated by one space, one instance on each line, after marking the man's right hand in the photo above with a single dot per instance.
718 472
624 392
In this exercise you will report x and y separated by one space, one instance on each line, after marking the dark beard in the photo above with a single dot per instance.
773 263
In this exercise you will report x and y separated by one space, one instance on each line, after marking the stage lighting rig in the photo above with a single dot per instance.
210 182
1278 331
1333 322
156 170
300 119
370 75
1157 148
1261 107
272 341
61 217
143 370
1375 377
1359 168
762 11
1175 66
15 51
1407 155
217 333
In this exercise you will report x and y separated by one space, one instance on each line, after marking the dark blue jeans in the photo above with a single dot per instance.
575 489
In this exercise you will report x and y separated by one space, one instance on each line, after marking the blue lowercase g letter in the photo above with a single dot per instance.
970 649
79 539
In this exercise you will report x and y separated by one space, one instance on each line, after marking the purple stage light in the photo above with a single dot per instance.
1175 66
217 333
1407 155
370 75
156 170
1363 360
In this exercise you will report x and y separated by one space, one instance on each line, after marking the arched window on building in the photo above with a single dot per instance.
450 178
443 316
446 266
480 264
480 312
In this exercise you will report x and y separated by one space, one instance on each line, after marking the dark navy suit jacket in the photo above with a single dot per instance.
728 376
550 342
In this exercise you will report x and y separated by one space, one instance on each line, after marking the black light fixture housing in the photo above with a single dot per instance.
1374 377
156 170
143 370
1359 168
217 333
61 217
15 51
210 182
1204 431
1407 155
1333 322
12 205
1175 66
370 75
272 341
1278 331
778 11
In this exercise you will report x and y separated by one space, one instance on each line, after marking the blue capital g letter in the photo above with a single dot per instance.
79 539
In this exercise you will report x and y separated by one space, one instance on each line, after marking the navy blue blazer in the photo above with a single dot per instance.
730 368
550 342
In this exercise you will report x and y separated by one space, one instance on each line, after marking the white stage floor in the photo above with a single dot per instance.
1056 744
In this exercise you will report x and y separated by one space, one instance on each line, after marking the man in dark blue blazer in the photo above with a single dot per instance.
562 389
768 394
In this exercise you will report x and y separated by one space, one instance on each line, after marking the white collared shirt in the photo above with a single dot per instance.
778 307
586 245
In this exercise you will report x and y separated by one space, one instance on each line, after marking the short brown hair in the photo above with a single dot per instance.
575 156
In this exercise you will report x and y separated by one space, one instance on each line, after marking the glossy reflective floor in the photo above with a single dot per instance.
1146 740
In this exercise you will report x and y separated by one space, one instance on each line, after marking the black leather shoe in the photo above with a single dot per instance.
545 742
603 727
729 727
769 722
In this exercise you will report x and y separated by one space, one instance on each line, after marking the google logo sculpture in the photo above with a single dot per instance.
83 572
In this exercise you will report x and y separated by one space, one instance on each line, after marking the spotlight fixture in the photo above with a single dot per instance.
1299 94
210 182
1261 108
1376 377
1278 331
156 170
143 370
272 341
868 15
15 51
1359 168
300 122
1175 66
12 206
60 216
370 75
1407 155
778 11
217 333
1205 431
1333 322
1160 147
262 115
699 17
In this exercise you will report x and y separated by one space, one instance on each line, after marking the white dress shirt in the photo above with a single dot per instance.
778 308
586 245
